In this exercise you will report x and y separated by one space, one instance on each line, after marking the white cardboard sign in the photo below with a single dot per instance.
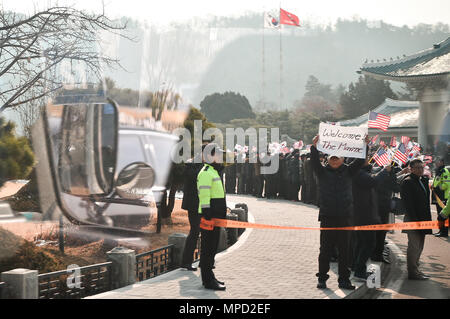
346 141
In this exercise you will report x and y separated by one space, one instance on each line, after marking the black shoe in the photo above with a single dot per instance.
418 277
219 282
189 267
214 285
322 285
346 285
441 234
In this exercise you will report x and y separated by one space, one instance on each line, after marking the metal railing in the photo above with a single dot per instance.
93 279
153 263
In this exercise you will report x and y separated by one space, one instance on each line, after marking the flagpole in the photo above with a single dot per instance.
263 63
281 64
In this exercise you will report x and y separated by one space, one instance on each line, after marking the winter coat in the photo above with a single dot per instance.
416 200
365 199
335 186
190 193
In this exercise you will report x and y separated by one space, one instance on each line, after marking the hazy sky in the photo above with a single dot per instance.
397 12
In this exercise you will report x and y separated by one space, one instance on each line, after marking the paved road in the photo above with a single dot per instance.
273 264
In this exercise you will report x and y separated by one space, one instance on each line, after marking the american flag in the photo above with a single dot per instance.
428 159
401 153
378 120
381 157
373 140
416 147
393 142
405 140
382 143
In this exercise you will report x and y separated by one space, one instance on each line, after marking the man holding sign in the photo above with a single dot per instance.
336 199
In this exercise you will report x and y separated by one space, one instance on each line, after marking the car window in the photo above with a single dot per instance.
130 150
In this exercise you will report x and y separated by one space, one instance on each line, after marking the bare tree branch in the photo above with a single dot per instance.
33 47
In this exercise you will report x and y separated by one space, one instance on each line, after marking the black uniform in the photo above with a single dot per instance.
190 203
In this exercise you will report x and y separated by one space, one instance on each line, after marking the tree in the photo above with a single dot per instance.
365 95
225 107
33 47
16 156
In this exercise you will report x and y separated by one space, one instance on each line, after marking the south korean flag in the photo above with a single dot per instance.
270 22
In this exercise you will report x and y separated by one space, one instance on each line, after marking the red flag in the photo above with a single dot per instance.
288 18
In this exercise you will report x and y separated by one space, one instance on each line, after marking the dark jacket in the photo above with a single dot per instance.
335 189
190 193
365 199
386 187
416 200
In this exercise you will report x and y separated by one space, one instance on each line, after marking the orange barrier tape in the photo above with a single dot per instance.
215 222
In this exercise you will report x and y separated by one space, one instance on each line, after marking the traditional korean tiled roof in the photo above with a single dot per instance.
432 62
402 113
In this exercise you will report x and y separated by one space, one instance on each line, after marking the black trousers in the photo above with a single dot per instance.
443 229
258 186
381 234
191 240
210 241
365 244
328 240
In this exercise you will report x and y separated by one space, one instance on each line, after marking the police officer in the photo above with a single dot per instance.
212 204
441 188
190 203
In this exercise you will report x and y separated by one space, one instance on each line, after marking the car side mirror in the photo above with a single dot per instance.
135 181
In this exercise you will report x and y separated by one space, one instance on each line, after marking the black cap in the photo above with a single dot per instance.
212 148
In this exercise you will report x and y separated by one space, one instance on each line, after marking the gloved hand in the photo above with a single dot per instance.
206 213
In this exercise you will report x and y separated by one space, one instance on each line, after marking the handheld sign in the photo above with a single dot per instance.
346 141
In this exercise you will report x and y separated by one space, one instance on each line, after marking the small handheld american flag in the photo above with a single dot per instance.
378 120
373 140
405 140
393 142
401 153
381 157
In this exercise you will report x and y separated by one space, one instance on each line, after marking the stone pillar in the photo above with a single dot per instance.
240 212
434 105
179 241
232 233
123 267
22 283
422 130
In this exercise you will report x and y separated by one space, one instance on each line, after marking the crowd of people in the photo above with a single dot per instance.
348 192
294 179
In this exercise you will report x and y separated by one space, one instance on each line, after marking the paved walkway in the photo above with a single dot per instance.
434 261
275 264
